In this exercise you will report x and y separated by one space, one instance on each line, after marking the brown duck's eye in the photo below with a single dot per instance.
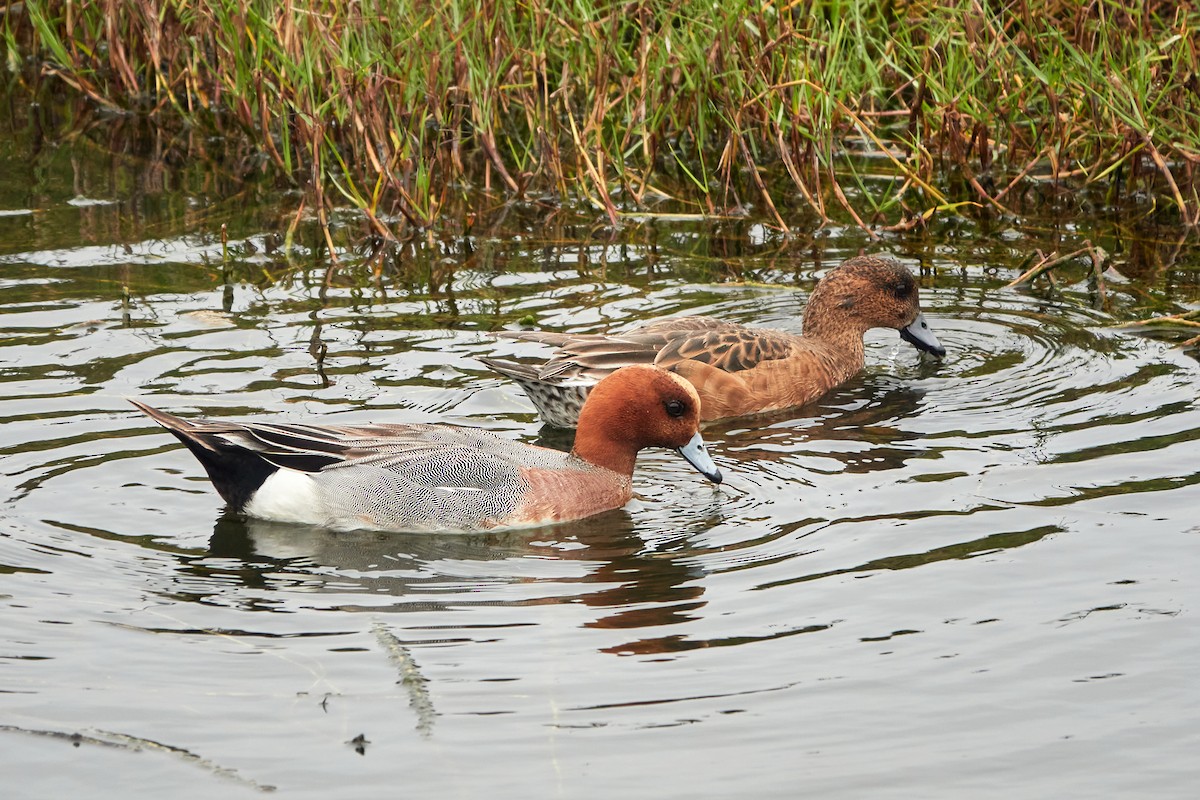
903 289
674 408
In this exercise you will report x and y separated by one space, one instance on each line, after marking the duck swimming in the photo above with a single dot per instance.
429 477
737 370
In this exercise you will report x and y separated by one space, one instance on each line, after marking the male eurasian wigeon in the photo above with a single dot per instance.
424 477
737 370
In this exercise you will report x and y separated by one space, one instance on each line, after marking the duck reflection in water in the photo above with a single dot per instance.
859 439
606 557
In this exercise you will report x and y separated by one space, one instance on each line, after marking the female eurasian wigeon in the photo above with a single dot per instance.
738 370
439 477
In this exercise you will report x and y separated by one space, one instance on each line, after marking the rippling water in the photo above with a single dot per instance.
966 578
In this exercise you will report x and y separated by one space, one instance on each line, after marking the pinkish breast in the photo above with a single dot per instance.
557 495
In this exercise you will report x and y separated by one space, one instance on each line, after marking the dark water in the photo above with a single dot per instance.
972 578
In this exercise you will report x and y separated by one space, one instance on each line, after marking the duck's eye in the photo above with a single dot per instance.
903 290
674 408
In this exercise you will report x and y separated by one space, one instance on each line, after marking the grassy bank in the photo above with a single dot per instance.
791 109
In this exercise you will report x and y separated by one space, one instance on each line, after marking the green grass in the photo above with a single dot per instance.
398 108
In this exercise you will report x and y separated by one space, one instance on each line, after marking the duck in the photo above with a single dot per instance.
433 477
737 370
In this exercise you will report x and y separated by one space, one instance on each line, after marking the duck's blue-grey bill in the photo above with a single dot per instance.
697 455
921 337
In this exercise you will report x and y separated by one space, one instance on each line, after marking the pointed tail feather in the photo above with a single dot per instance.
236 472
543 337
510 369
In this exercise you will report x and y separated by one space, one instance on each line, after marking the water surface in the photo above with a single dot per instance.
972 577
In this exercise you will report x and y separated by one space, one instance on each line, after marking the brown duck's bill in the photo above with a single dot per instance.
918 334
697 455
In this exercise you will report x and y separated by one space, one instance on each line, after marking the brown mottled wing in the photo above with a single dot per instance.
732 348
592 356
673 326
589 356
598 355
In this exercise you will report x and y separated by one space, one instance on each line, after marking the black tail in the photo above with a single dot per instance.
235 471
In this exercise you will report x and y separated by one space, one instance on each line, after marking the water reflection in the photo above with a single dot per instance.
969 549
601 562
852 430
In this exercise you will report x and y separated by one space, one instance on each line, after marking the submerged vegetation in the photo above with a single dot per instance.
790 110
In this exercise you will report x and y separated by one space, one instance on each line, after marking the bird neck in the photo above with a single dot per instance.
594 447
